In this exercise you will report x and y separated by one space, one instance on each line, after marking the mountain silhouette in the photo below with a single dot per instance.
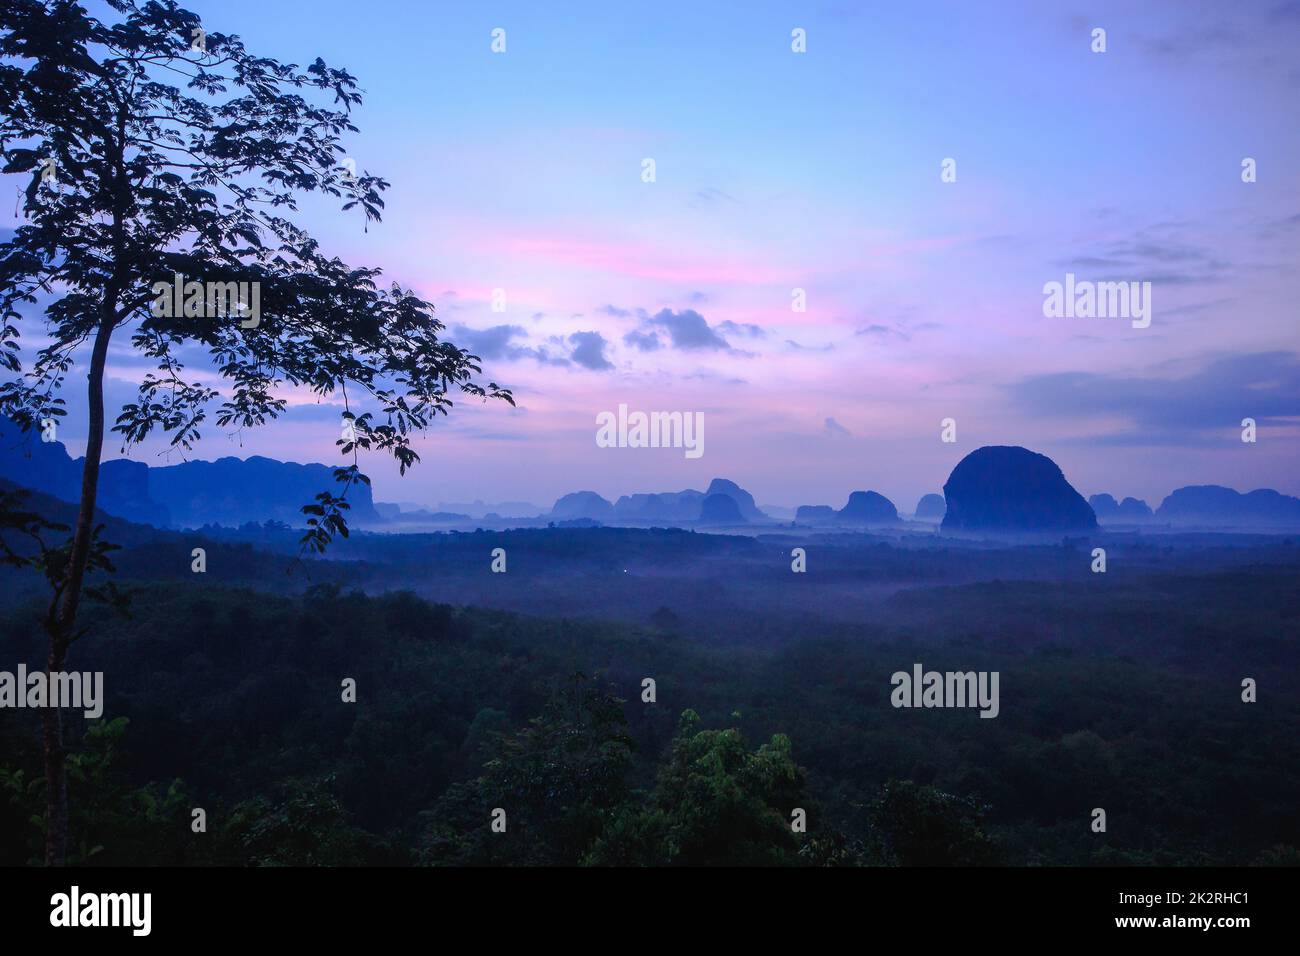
682 506
863 507
1106 508
668 506
47 467
232 491
1217 505
228 491
721 509
582 504
868 507
744 500
930 506
1009 488
815 514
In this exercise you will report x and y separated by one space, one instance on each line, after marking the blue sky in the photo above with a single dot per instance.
778 170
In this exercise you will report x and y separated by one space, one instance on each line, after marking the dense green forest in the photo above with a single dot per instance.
229 699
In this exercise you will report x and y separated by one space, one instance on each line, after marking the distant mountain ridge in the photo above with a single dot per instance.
668 507
993 488
1106 508
582 504
862 508
1217 505
662 506
48 468
232 491
228 491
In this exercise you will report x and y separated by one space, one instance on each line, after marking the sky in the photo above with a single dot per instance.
820 171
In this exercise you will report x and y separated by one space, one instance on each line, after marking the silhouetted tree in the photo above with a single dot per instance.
151 149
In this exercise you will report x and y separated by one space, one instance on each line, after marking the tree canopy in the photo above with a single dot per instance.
161 165
152 149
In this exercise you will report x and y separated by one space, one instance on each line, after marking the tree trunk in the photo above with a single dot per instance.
64 619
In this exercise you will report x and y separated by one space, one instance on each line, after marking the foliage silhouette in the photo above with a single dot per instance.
154 152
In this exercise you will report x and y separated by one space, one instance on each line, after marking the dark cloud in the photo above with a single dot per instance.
898 324
688 330
1156 254
742 328
1283 226
882 333
546 358
498 343
809 348
1264 386
615 311
643 341
589 351
835 428
491 343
